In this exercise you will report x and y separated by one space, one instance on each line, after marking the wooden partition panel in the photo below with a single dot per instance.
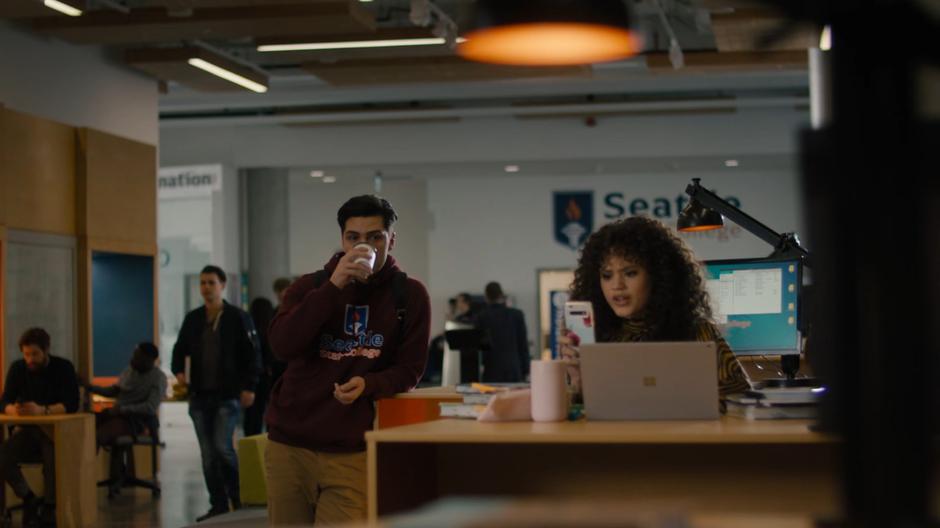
83 356
116 213
117 190
37 174
3 316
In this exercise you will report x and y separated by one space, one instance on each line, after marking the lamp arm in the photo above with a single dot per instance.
782 243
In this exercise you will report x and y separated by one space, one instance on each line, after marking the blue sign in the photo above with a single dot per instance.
357 319
574 217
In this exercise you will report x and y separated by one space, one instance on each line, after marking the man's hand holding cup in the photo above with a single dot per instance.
355 265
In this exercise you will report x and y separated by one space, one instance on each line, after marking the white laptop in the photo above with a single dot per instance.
650 381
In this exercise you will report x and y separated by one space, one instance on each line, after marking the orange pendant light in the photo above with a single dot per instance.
550 32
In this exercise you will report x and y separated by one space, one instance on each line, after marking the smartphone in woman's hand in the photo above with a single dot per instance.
579 319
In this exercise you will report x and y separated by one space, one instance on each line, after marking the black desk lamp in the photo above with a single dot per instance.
704 212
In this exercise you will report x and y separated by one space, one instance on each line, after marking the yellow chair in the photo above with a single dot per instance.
254 490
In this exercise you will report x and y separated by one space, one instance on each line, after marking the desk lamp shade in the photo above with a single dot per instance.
550 32
697 217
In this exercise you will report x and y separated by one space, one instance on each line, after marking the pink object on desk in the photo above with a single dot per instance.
508 406
549 393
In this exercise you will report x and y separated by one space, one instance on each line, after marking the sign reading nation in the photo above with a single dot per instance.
189 182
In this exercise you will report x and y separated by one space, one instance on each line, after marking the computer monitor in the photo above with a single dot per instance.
756 303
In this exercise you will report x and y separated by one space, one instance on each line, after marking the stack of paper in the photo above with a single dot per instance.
475 398
775 404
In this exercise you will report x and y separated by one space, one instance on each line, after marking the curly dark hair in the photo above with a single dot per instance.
678 299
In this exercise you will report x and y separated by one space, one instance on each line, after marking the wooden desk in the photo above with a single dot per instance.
729 465
457 512
74 439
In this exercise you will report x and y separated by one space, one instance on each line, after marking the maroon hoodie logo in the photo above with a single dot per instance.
356 320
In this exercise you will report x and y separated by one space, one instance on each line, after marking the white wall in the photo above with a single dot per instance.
746 132
76 85
315 235
502 228
226 225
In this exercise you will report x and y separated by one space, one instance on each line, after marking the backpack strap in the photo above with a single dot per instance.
399 287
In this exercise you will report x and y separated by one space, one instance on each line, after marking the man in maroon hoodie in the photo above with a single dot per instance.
350 333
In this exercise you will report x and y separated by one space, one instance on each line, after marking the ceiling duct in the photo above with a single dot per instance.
155 25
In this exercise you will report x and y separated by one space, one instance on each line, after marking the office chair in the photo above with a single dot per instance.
6 518
123 448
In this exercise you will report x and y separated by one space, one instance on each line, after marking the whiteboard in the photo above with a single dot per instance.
40 291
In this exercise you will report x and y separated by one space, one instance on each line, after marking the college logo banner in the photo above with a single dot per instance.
357 319
574 217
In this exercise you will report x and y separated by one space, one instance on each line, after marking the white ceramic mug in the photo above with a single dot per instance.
368 261
549 394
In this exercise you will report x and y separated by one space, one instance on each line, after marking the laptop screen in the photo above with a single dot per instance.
756 303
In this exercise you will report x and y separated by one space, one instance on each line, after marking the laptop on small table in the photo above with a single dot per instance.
650 381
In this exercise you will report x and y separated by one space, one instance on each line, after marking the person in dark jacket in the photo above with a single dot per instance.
221 344
39 384
340 332
506 359
261 311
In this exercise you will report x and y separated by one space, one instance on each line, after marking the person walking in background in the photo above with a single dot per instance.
506 359
39 384
262 312
351 333
465 310
225 362
277 366
280 286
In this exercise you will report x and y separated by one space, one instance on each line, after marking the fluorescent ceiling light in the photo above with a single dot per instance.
316 174
511 168
228 75
62 7
825 39
354 44
731 163
329 179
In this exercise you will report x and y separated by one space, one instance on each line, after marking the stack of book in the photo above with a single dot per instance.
775 403
475 398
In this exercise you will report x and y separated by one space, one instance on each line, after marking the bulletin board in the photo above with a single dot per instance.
122 309
40 290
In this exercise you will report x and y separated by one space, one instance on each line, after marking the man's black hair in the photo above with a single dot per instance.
149 348
216 270
366 205
36 337
280 284
493 292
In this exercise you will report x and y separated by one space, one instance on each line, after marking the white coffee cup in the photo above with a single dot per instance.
367 260
549 394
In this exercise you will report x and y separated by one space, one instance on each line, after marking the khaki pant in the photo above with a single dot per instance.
312 487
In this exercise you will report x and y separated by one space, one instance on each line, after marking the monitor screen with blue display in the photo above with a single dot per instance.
756 303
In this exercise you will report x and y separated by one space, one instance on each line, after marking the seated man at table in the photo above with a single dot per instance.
37 385
139 391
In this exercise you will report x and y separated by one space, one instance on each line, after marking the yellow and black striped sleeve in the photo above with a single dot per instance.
731 378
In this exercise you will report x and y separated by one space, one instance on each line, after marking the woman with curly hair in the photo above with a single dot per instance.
645 285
